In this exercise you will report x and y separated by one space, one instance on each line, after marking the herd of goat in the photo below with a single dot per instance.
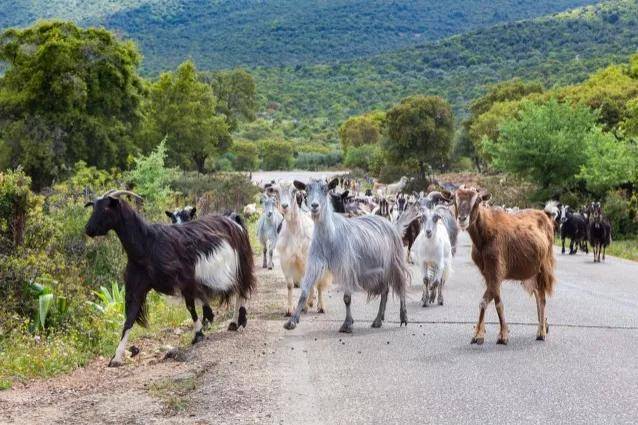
330 231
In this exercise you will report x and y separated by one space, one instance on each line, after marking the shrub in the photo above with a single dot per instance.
14 204
361 156
151 178
315 160
622 213
276 155
246 156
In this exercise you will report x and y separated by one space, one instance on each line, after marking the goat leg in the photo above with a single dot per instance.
479 330
346 327
503 335
239 319
378 321
133 306
314 270
265 263
208 314
197 323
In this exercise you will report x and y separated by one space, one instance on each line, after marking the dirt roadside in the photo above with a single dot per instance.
200 386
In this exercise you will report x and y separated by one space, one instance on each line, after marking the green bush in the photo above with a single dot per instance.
361 156
14 204
622 214
276 155
246 156
316 161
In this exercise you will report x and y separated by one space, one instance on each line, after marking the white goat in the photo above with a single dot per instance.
293 245
396 188
268 228
433 252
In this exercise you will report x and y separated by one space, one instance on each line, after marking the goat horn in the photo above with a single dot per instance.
118 193
108 193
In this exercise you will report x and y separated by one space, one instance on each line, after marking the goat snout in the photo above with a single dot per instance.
314 206
428 233
284 206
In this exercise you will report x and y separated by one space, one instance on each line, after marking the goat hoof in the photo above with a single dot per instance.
242 320
501 341
376 324
321 311
287 314
346 328
115 363
232 326
540 338
478 341
404 322
547 329
440 302
425 304
290 325
199 337
270 268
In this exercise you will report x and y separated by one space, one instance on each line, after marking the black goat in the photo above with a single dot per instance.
599 230
574 226
338 201
184 215
199 260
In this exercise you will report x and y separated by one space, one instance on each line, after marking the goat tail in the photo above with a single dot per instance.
246 281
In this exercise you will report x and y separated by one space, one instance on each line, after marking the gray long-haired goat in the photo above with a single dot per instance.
361 253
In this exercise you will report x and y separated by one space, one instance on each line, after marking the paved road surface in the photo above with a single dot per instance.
586 371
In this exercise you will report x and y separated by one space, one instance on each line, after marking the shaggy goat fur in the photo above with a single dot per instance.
363 253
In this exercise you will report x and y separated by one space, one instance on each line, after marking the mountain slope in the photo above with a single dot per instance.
558 49
227 33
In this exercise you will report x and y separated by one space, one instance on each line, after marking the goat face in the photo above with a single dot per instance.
106 216
317 196
287 195
596 212
565 213
269 206
430 218
182 216
467 202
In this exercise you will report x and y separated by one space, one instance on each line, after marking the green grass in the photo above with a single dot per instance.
627 249
25 356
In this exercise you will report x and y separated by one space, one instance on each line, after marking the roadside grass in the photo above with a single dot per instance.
625 248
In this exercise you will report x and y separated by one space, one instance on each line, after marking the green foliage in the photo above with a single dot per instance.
610 162
546 143
245 155
622 211
67 94
361 130
276 155
362 157
14 202
224 34
235 93
317 160
554 50
150 177
420 130
183 109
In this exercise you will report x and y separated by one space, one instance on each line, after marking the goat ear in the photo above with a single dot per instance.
168 214
447 195
88 204
299 185
485 196
193 212
344 195
334 183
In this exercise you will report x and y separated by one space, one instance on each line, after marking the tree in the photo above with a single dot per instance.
276 155
547 143
150 176
246 155
361 130
183 109
235 92
68 94
420 129
490 110
610 162
361 157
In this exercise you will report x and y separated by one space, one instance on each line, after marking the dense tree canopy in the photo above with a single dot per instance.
68 94
420 130
235 93
183 108
361 130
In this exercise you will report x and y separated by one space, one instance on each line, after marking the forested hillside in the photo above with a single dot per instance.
558 49
223 33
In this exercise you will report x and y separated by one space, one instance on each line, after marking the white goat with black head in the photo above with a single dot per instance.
268 228
361 253
433 252
293 245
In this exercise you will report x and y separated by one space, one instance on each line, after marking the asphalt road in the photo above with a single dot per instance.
585 372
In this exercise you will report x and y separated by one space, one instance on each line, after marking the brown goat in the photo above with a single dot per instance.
508 246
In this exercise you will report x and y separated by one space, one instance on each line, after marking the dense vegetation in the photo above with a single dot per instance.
555 50
228 33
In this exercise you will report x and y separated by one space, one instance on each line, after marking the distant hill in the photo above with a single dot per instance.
558 49
228 33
